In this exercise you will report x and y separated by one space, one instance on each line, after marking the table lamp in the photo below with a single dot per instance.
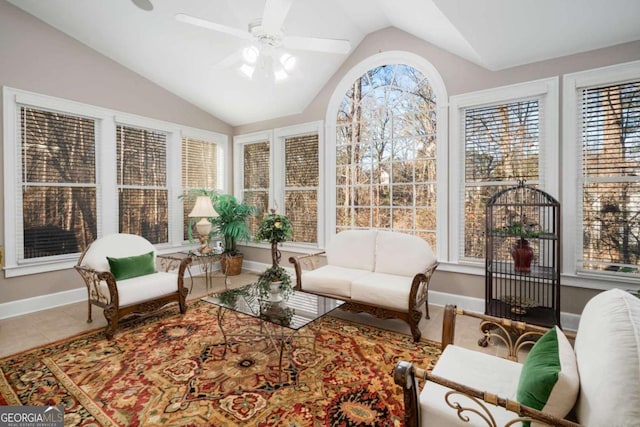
203 209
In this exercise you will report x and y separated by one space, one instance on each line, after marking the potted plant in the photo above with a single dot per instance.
231 223
522 227
275 229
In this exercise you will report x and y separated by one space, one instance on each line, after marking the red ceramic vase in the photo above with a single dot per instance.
522 255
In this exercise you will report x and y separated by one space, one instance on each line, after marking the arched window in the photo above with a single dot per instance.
386 151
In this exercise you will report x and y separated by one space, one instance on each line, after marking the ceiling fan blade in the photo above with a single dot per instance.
188 19
275 12
317 44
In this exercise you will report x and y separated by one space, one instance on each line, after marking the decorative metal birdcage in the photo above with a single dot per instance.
523 256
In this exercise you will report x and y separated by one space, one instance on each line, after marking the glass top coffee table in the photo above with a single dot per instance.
280 322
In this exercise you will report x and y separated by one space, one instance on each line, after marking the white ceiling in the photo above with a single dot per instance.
496 34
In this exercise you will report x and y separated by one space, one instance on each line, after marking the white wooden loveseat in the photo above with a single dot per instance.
383 273
596 383
122 278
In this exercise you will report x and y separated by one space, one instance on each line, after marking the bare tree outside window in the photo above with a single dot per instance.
611 178
386 153
58 183
142 183
502 146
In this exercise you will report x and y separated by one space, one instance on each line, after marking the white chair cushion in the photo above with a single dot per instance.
402 254
607 352
474 369
331 280
142 288
382 290
118 245
352 249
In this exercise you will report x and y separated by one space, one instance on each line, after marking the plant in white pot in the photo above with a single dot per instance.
275 282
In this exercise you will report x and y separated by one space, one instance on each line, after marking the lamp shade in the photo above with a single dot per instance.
203 208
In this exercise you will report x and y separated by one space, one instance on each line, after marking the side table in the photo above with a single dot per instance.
206 262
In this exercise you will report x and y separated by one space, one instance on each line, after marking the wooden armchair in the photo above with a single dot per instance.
468 387
120 273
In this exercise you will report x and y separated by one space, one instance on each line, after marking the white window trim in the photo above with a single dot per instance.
107 196
442 111
571 152
548 91
276 138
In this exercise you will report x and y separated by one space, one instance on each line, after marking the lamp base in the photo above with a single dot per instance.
204 245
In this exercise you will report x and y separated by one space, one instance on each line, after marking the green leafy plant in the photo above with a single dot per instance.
274 228
231 221
275 274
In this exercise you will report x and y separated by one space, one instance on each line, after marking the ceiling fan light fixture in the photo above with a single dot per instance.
280 74
247 70
288 61
250 54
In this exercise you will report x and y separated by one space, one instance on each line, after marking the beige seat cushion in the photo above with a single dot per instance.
402 254
352 249
382 290
474 369
331 279
142 288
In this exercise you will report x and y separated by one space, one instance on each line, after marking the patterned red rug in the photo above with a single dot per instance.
168 369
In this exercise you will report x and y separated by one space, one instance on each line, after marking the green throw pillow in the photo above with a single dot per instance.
549 378
133 266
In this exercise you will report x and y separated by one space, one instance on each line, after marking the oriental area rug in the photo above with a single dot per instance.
169 369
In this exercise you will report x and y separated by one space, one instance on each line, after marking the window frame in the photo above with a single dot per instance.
547 91
573 84
442 112
106 176
276 138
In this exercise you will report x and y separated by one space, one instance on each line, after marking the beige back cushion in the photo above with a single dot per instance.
402 254
117 245
352 249
606 346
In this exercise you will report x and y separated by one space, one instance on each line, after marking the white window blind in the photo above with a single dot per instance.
199 172
301 186
58 175
610 178
142 183
256 178
502 146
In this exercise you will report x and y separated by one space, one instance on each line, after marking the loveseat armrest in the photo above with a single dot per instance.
309 260
405 374
92 279
513 334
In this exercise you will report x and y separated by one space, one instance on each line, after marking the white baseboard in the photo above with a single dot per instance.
29 305
42 302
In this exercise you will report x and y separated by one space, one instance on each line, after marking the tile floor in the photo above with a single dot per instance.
39 328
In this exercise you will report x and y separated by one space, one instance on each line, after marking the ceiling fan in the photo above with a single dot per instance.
268 37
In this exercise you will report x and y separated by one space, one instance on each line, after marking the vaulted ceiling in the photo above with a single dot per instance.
202 65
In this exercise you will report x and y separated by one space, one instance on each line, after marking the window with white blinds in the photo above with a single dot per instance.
256 179
609 181
142 183
280 169
501 146
199 172
75 172
301 186
58 183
